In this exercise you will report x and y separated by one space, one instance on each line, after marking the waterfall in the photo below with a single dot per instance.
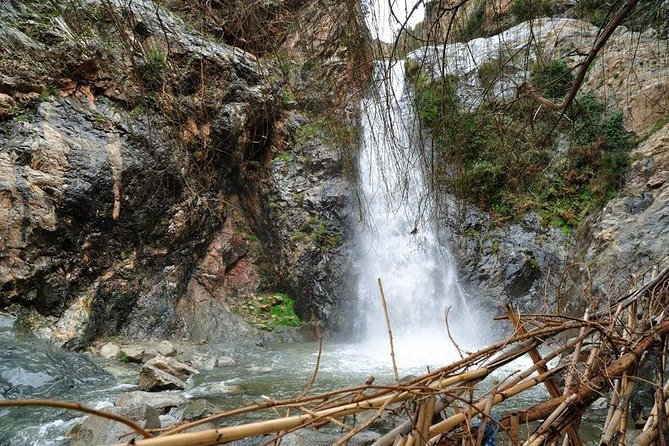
397 238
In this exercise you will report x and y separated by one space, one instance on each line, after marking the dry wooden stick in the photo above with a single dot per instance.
79 408
390 332
662 426
455 420
216 436
318 360
486 414
533 353
514 429
404 428
539 436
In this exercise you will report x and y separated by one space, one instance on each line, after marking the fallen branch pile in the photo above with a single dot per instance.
599 356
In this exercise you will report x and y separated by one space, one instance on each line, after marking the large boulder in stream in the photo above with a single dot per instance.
102 431
161 373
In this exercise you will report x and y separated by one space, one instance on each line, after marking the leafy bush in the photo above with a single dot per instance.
553 79
502 156
530 9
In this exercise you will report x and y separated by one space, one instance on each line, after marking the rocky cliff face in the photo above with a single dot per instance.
136 178
529 262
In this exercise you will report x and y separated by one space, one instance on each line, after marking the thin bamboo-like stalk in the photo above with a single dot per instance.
455 420
486 415
539 436
514 429
79 408
390 331
662 425
424 428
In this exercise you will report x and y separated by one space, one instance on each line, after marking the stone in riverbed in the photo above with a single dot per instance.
310 438
166 348
152 379
162 401
203 361
171 366
168 421
224 361
97 430
195 410
212 390
110 350
134 354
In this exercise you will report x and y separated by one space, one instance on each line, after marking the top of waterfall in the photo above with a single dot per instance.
386 18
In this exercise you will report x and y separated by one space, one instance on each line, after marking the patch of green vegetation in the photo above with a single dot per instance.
283 156
137 111
252 238
530 9
124 358
552 79
283 312
503 157
298 236
328 130
23 116
48 93
288 97
156 60
269 311
659 125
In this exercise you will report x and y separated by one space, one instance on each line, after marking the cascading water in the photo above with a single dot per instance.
397 239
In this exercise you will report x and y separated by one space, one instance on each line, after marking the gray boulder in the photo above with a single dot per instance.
166 348
134 354
171 366
110 350
195 410
152 379
98 430
162 401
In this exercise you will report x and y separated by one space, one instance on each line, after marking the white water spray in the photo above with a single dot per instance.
397 239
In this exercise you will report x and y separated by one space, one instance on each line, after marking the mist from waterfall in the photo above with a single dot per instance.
397 238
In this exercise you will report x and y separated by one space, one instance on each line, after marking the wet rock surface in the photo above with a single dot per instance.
528 263
622 241
97 430
627 71
510 264
161 402
149 218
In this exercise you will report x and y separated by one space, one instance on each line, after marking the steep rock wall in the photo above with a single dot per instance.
527 262
136 161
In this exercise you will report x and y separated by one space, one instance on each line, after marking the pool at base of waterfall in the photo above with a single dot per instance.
33 369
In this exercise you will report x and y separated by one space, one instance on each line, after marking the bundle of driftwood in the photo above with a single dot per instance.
583 360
